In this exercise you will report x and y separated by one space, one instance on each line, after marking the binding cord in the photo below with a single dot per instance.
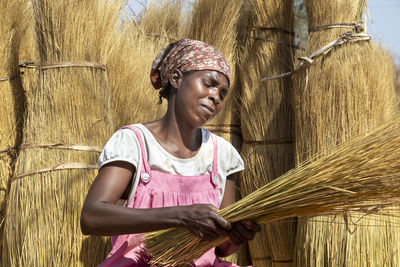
309 60
349 36
4 79
357 26
67 64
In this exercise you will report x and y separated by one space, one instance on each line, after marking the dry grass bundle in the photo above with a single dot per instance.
131 94
163 18
128 68
346 92
67 120
217 23
12 27
28 47
267 118
342 180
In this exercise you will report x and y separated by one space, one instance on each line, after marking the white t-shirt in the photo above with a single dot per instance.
124 146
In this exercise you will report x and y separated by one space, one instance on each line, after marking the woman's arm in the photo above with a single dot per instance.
241 232
101 216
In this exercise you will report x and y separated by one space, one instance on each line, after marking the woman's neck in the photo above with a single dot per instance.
176 137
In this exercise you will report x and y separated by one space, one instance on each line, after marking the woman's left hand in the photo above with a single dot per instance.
240 232
243 231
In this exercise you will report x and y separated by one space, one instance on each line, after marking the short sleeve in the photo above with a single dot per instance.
122 146
229 162
229 159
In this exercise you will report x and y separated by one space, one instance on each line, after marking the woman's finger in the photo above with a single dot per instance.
250 225
234 238
243 231
220 221
240 234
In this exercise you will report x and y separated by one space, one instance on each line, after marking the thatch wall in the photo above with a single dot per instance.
216 23
342 94
11 95
67 124
267 118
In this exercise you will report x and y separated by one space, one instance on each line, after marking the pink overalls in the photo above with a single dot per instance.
158 189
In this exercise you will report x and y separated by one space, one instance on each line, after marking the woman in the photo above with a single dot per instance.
172 172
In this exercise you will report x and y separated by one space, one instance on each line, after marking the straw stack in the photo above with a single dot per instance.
346 92
163 19
67 124
12 27
132 95
216 23
266 118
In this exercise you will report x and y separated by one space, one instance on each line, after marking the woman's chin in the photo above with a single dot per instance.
201 122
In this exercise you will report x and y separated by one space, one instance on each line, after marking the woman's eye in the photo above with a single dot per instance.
221 97
206 84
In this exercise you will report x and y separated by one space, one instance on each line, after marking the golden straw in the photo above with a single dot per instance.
355 176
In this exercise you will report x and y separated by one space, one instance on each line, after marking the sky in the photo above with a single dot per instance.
384 18
383 27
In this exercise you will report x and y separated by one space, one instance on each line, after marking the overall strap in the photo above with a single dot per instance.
145 174
214 170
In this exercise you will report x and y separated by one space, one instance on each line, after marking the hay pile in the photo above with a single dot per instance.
346 92
67 124
132 95
217 23
12 27
163 19
267 118
360 175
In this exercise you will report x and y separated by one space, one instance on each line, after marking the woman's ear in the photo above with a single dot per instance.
176 78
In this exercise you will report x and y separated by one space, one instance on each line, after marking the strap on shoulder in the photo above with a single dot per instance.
214 170
142 148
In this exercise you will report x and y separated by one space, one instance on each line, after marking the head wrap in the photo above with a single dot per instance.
187 55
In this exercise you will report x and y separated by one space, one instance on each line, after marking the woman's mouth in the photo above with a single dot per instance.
208 109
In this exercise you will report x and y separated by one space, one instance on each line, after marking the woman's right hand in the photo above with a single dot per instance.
204 221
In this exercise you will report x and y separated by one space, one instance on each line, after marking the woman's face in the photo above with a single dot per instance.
200 96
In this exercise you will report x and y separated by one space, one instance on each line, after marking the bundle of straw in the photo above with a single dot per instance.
11 94
266 118
364 169
133 99
217 23
67 124
163 19
348 91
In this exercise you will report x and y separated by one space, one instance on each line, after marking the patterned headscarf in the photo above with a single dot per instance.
187 55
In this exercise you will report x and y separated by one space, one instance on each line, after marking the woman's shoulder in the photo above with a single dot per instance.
222 142
123 145
225 149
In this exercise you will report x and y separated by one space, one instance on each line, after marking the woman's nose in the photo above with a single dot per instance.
214 96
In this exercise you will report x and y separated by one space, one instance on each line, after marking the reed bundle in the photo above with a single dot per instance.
11 94
267 118
67 124
163 18
360 175
217 23
128 68
346 92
